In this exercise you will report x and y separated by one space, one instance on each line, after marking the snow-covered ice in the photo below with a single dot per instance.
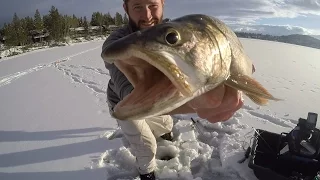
55 122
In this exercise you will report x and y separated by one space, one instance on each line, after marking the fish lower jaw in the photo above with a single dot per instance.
147 101
164 102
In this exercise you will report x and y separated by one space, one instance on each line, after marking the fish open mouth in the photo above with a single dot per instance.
159 86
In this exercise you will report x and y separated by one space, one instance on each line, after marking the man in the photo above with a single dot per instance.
217 105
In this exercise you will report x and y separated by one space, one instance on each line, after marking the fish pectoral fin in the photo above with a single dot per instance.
258 100
252 88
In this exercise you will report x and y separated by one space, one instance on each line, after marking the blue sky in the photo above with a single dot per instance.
278 17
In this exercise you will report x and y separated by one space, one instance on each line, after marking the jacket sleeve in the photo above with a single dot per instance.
118 81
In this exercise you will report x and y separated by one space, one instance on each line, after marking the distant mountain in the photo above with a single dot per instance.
316 36
298 39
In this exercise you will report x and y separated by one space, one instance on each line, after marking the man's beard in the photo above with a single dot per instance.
136 27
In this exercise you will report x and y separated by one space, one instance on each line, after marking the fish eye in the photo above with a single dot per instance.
172 37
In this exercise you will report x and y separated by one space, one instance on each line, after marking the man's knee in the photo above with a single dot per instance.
168 122
132 127
144 148
142 143
139 135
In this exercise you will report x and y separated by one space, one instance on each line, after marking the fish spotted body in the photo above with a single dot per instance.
179 60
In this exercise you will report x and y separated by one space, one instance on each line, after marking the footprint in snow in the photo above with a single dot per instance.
96 89
272 119
76 79
248 107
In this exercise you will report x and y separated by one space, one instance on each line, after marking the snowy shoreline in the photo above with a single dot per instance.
12 52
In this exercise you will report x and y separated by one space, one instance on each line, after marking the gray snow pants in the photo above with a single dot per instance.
142 135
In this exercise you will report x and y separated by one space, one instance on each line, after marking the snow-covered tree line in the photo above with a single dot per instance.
56 26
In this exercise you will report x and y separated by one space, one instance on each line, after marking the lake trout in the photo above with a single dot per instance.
179 60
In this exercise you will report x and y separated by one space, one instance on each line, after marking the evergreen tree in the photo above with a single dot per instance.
26 26
16 32
86 26
55 24
30 25
107 19
75 21
8 32
80 20
38 23
46 22
13 36
2 30
96 19
65 25
125 19
118 19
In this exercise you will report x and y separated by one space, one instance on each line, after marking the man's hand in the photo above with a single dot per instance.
216 105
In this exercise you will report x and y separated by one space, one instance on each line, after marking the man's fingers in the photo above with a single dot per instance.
224 116
231 102
216 113
223 98
211 99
